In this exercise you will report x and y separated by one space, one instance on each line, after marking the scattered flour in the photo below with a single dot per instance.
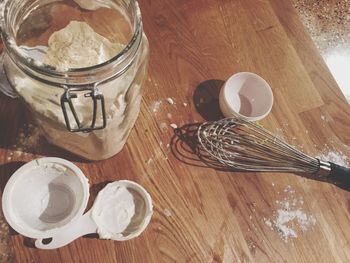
279 133
163 126
156 106
173 125
325 118
289 217
170 101
268 223
167 212
334 156
30 138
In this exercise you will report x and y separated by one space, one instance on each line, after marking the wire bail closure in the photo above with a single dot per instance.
95 95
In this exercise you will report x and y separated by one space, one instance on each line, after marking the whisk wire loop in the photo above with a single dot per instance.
246 146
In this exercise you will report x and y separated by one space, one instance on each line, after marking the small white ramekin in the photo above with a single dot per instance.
247 96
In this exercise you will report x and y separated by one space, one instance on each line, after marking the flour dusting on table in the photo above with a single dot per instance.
30 140
334 156
156 106
289 219
170 101
167 212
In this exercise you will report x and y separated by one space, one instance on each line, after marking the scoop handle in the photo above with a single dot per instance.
83 226
340 174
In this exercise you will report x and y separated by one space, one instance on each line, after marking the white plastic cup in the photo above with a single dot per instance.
246 95
43 196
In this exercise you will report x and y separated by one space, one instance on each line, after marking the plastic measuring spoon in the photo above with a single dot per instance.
121 211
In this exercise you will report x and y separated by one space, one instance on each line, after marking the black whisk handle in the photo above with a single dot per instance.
340 175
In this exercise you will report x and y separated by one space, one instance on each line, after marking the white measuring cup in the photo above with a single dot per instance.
121 211
44 196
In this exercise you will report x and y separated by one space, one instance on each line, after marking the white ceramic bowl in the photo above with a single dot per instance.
43 196
246 95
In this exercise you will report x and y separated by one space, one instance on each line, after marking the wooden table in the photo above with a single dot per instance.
200 214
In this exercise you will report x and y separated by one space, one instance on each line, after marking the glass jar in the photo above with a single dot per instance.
87 110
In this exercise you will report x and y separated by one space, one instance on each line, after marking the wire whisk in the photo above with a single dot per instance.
246 146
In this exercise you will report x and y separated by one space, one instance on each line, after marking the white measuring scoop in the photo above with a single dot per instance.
44 196
121 211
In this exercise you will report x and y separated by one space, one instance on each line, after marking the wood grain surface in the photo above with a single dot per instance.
202 214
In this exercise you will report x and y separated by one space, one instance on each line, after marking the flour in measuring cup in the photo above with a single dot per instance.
113 211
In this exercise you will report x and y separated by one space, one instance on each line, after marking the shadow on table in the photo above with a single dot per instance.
186 148
6 170
206 99
18 135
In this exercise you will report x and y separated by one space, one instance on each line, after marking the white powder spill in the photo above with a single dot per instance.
251 246
279 133
325 118
334 156
30 139
185 104
289 217
268 223
170 101
156 106
327 154
163 126
173 125
167 212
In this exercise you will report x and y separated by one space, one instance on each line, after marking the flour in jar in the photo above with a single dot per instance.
78 46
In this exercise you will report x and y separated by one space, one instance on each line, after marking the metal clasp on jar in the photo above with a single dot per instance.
97 97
